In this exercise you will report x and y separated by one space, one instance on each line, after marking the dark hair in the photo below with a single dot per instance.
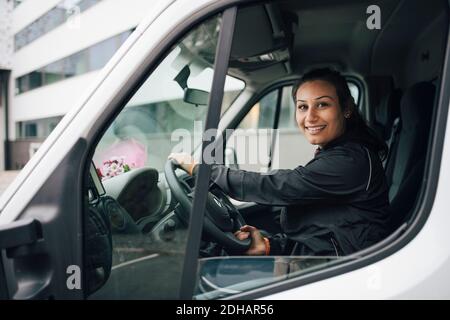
355 126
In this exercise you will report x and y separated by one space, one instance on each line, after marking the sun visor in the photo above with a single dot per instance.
258 31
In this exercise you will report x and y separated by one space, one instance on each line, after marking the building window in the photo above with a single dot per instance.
50 20
89 59
35 79
76 64
39 128
99 54
30 130
53 72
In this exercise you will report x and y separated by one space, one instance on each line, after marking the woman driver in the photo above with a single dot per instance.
336 204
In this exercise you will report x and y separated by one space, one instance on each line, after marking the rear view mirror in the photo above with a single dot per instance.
192 96
196 96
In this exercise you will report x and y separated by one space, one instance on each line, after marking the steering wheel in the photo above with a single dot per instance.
221 216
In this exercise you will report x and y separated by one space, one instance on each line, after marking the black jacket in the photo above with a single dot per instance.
334 205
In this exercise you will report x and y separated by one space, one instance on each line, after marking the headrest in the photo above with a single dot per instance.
387 112
417 106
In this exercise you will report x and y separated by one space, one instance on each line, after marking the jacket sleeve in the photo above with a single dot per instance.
333 176
278 243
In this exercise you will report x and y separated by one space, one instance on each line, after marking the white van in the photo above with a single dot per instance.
99 213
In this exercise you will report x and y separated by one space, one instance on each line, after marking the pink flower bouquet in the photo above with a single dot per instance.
115 166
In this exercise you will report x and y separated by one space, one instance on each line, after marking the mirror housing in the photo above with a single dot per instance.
191 96
196 96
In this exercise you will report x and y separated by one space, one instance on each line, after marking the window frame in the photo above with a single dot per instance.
223 50
361 104
249 107
369 256
188 276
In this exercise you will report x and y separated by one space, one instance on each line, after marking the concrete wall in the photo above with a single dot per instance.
21 151
6 51
6 43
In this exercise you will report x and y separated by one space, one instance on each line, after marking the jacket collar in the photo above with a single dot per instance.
343 138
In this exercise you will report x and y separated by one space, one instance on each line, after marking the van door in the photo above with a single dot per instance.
76 237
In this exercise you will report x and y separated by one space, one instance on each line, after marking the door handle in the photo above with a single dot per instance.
18 234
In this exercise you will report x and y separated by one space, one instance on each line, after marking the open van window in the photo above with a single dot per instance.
162 98
158 232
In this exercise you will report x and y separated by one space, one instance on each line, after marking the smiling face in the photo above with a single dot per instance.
318 112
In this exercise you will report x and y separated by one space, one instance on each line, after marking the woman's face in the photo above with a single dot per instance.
318 113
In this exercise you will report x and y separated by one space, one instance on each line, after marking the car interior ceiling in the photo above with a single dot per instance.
400 66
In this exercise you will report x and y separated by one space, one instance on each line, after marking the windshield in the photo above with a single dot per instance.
159 118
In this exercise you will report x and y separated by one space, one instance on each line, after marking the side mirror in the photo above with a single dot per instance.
196 96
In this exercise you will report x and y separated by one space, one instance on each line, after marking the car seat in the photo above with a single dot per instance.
406 160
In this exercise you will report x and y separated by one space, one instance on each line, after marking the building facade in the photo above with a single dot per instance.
6 54
55 49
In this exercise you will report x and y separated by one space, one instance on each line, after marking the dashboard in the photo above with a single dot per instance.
142 196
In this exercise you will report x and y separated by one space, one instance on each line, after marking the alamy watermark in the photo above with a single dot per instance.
73 16
373 22
249 146
73 277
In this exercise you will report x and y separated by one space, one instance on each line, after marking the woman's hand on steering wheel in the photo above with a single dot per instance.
221 217
258 245
184 160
